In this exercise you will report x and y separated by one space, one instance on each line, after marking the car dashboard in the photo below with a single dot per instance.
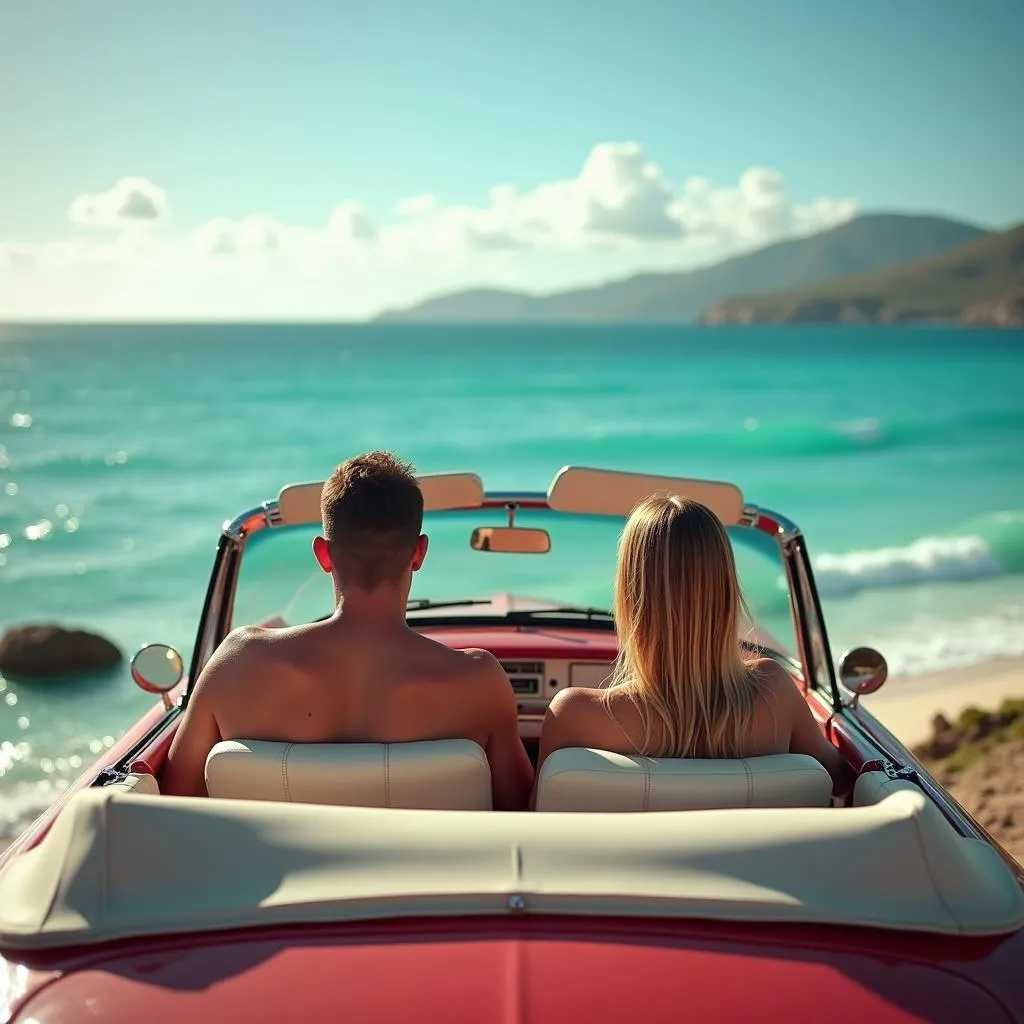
535 682
539 660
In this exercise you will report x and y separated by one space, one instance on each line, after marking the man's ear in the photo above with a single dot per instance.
322 554
420 553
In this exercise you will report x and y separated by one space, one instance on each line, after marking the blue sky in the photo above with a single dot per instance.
287 110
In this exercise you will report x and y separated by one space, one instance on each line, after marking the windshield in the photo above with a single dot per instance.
280 583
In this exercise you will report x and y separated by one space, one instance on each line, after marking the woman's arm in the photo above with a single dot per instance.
806 736
556 731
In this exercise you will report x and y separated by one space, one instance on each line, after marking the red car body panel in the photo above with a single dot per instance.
529 970
539 971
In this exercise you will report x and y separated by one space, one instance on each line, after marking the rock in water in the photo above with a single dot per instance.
48 650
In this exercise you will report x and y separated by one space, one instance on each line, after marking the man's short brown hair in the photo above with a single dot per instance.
372 510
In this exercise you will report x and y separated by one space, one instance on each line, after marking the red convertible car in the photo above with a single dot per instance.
364 882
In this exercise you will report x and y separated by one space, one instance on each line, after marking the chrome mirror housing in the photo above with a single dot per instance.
157 668
863 670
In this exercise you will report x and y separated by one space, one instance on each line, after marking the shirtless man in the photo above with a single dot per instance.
362 675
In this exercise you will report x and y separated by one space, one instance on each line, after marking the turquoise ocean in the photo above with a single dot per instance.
900 451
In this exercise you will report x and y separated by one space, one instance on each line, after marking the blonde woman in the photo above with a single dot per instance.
682 686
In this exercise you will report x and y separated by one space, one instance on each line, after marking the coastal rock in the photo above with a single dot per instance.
813 311
980 759
945 739
727 314
992 790
1009 313
50 650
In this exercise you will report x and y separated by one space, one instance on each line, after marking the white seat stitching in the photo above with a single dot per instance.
284 770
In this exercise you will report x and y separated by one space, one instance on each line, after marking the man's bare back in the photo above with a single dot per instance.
362 675
347 682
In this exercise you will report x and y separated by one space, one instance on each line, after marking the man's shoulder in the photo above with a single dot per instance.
462 660
244 640
236 651
472 667
475 662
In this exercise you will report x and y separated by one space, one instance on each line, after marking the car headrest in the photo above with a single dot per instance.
585 779
435 774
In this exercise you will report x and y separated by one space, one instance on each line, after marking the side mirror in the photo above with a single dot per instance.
511 540
863 670
157 668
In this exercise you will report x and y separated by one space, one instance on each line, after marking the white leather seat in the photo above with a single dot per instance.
584 779
448 775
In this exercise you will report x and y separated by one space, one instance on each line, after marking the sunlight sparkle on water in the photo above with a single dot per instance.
21 419
39 531
10 753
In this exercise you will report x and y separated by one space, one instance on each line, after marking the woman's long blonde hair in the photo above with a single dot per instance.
677 611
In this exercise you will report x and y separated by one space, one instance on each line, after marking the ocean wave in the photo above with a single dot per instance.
928 560
75 465
989 546
946 645
608 437
619 442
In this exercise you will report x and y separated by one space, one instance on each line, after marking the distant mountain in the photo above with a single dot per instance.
978 283
870 242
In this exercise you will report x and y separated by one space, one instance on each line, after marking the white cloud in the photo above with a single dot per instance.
758 211
417 206
16 257
351 221
626 195
130 201
619 199
223 237
617 216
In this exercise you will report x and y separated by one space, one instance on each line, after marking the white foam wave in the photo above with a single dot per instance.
928 560
867 430
943 645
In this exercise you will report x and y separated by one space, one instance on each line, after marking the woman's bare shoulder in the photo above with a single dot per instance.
772 676
575 701
777 689
581 716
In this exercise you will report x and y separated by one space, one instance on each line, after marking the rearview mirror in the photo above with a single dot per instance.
863 670
513 540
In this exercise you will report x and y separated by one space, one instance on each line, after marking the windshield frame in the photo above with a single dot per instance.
817 667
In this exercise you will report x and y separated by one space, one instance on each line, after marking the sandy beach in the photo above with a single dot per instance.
907 705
